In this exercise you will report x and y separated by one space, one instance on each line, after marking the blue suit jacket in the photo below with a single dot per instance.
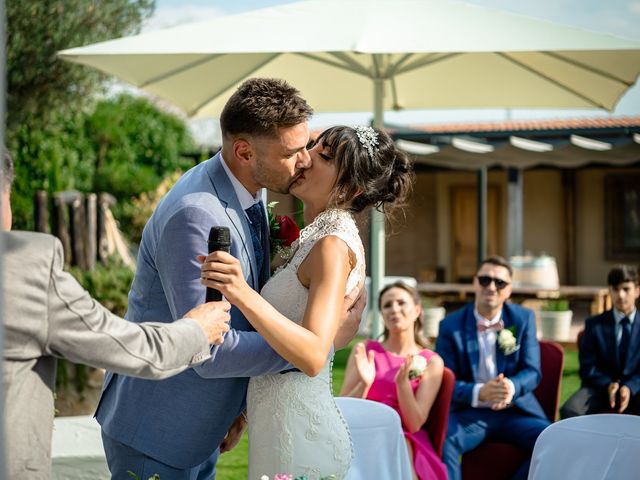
182 420
599 365
457 344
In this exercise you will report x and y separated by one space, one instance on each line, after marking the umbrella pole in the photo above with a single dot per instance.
377 240
482 214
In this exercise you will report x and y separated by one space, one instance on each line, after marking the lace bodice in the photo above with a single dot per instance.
294 424
332 222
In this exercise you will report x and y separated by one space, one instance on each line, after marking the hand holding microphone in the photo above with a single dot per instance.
219 239
221 272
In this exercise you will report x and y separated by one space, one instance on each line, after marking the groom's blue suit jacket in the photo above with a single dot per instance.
457 344
182 420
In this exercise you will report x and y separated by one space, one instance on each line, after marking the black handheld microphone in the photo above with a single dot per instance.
219 239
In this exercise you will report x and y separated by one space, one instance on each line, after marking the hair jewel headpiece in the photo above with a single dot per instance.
368 137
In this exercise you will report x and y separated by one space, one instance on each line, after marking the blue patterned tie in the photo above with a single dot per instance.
625 338
257 218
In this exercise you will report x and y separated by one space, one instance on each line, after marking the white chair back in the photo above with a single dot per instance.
591 447
76 450
380 450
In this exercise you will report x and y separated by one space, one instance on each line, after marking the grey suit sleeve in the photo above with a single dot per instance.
83 331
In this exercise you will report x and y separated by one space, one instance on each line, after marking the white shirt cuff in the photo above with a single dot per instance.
475 403
512 388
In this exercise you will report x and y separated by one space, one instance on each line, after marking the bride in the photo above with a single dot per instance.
295 425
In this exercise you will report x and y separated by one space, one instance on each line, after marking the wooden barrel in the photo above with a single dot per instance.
535 272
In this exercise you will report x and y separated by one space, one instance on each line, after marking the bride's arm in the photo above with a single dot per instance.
324 272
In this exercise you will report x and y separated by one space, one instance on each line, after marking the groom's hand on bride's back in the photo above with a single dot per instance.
233 436
352 309
213 318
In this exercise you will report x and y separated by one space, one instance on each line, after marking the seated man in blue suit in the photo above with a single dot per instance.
610 353
491 347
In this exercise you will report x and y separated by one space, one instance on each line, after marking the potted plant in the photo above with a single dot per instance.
555 320
432 313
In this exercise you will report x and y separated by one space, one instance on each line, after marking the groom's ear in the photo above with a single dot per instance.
242 150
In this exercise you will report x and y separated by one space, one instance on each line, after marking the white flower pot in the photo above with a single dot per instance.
431 320
556 326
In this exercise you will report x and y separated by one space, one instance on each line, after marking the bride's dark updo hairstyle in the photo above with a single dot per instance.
380 176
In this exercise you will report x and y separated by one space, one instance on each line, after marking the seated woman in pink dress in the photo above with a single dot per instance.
381 371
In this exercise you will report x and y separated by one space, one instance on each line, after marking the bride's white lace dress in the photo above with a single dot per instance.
295 425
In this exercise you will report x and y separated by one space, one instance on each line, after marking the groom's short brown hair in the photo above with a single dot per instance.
261 106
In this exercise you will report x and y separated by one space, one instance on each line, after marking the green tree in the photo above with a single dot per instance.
47 97
136 145
125 146
53 157
40 85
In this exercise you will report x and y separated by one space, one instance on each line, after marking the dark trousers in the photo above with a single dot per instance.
123 459
588 401
469 427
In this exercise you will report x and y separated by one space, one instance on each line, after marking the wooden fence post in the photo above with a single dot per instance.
105 201
77 219
41 211
60 229
92 230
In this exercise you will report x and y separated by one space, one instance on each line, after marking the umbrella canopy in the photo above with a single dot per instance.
426 53
355 55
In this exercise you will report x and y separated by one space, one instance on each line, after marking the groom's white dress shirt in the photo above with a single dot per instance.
487 370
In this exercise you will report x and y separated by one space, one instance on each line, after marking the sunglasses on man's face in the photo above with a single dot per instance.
485 281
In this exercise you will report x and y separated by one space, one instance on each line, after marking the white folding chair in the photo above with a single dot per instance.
380 450
76 450
591 447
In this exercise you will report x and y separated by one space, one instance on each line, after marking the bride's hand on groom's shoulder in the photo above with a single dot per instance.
352 309
222 271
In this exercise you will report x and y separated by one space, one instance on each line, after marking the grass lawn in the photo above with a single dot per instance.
233 465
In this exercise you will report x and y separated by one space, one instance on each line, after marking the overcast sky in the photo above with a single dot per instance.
617 17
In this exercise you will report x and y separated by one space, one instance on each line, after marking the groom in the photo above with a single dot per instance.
177 427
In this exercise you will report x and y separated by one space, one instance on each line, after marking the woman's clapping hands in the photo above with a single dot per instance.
365 364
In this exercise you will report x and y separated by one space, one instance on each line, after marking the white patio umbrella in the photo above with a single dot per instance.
355 55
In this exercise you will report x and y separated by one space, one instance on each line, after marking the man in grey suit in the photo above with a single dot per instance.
48 314
264 139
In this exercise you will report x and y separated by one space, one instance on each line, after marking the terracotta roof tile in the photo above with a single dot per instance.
514 125
523 125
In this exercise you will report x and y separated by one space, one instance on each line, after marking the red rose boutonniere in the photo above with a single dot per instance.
283 231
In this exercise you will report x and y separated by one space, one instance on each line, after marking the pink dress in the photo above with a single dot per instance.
426 462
